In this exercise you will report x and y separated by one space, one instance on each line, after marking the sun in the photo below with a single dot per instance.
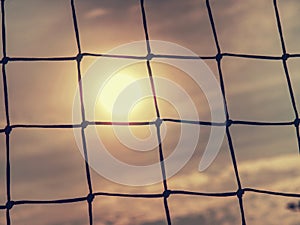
119 95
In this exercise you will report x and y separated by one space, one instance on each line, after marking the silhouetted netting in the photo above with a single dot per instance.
167 192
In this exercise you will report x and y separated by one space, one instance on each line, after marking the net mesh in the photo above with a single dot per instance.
91 195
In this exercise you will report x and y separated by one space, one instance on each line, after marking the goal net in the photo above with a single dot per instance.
251 51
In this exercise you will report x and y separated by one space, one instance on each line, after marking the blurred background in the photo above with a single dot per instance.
46 163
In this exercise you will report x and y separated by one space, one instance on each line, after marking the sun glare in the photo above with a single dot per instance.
119 95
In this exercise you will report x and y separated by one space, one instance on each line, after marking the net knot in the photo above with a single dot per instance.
79 57
296 122
228 123
166 193
5 60
84 124
90 197
285 56
219 56
149 56
7 130
9 204
240 193
158 122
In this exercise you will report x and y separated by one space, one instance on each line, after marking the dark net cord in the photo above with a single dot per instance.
90 196
158 121
240 191
84 123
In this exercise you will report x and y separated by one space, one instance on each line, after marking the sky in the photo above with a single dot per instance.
47 164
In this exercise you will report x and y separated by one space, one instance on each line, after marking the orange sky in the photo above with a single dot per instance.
46 164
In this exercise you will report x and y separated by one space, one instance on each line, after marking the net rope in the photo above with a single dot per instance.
239 193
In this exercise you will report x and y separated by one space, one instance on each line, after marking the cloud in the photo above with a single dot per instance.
94 13
274 174
45 166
